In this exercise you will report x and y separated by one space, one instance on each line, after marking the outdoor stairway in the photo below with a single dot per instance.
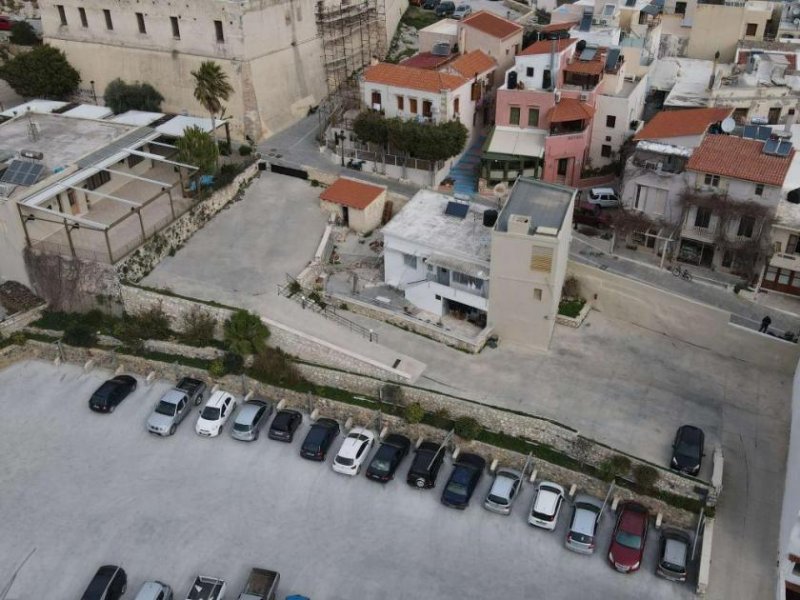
465 172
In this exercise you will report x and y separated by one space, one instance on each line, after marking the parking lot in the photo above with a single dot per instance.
87 489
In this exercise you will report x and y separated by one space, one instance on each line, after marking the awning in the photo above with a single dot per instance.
570 109
177 125
517 142
461 266
89 111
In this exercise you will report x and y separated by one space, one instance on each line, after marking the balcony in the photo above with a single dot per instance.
702 234
482 292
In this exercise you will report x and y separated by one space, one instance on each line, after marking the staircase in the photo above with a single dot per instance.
465 172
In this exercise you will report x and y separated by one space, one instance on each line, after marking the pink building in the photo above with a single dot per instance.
544 113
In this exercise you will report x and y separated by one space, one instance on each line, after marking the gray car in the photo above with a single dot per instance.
582 532
154 590
169 412
505 489
250 419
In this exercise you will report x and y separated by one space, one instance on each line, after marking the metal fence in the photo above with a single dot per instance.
387 158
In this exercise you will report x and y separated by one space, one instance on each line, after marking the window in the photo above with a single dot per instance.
62 15
82 14
376 100
176 28
529 72
702 217
467 280
457 106
746 226
427 108
513 115
537 294
133 160
533 117
218 30
401 103
410 261
759 189
611 120
96 180
712 180
752 29
140 22
791 245
412 105
605 151
109 22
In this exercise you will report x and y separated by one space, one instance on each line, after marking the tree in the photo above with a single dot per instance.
196 147
44 72
370 126
401 135
23 34
122 97
211 88
245 333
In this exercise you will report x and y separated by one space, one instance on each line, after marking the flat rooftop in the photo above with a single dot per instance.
443 26
423 221
546 204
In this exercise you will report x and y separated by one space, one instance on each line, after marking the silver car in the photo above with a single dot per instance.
505 489
169 412
583 526
154 590
250 419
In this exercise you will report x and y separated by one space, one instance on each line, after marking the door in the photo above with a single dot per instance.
774 115
443 276
346 216
562 167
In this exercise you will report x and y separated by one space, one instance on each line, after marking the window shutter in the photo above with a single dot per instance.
541 259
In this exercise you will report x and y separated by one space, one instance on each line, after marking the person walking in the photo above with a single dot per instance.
765 323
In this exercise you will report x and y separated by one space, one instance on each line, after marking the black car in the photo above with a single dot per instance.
319 438
463 480
445 9
427 462
687 449
388 457
284 425
430 4
109 395
109 583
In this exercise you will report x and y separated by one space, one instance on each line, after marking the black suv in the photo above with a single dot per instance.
687 449
319 439
109 583
388 457
463 480
427 462
284 425
109 395
445 9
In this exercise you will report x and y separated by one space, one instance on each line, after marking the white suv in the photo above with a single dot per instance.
603 197
215 414
546 505
353 451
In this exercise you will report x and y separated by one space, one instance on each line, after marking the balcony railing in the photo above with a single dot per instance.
482 292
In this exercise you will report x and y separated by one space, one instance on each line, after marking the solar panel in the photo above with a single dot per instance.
22 172
586 22
750 132
763 133
588 53
612 59
771 146
456 209
784 148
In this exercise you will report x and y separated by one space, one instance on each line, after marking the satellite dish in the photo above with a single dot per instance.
728 125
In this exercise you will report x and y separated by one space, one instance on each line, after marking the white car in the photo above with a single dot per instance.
603 197
215 414
353 451
546 505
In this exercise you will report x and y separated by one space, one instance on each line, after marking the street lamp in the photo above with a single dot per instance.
340 137
94 93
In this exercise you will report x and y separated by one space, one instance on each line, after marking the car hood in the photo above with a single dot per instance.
159 421
208 425
624 555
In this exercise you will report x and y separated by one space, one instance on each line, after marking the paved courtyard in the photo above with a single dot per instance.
87 489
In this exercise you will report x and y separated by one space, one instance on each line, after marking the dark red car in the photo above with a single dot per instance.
592 215
5 23
627 541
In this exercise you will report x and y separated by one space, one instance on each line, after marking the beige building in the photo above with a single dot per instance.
529 252
353 203
719 27
498 37
272 52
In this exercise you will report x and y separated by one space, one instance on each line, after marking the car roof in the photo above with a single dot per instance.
603 190
149 590
675 551
547 497
587 499
584 520
503 482
248 411
217 398
631 516
690 433
350 446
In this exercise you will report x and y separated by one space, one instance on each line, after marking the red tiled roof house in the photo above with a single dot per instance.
354 203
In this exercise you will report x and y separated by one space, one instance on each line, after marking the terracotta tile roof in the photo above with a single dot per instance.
552 27
570 109
544 46
426 60
473 63
492 24
412 78
351 193
587 67
732 156
678 123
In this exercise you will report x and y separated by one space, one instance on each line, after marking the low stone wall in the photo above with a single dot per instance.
574 322
205 353
20 320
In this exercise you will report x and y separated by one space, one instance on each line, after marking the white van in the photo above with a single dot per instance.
604 197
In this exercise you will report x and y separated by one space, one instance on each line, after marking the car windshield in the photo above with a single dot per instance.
241 427
381 466
344 461
629 540
210 413
315 436
166 408
580 538
456 488
498 499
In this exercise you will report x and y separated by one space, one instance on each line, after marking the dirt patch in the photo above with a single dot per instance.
15 297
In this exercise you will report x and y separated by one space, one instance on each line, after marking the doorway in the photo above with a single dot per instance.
680 8
346 216
774 115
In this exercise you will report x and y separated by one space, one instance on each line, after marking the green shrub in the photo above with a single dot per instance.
224 148
645 476
198 327
294 287
272 366
467 428
81 334
616 466
23 34
17 338
152 324
233 363
245 150
216 369
245 333
440 419
571 308
317 299
413 413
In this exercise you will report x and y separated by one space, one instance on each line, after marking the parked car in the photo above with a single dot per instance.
673 555
463 480
605 197
207 588
388 457
592 215
353 451
687 449
215 414
261 585
195 388
284 425
505 489
462 11
251 417
171 409
430 4
154 590
319 439
445 9
6 23
582 530
110 395
425 468
546 505
629 536
109 583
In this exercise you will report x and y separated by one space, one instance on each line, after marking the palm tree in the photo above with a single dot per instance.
211 89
